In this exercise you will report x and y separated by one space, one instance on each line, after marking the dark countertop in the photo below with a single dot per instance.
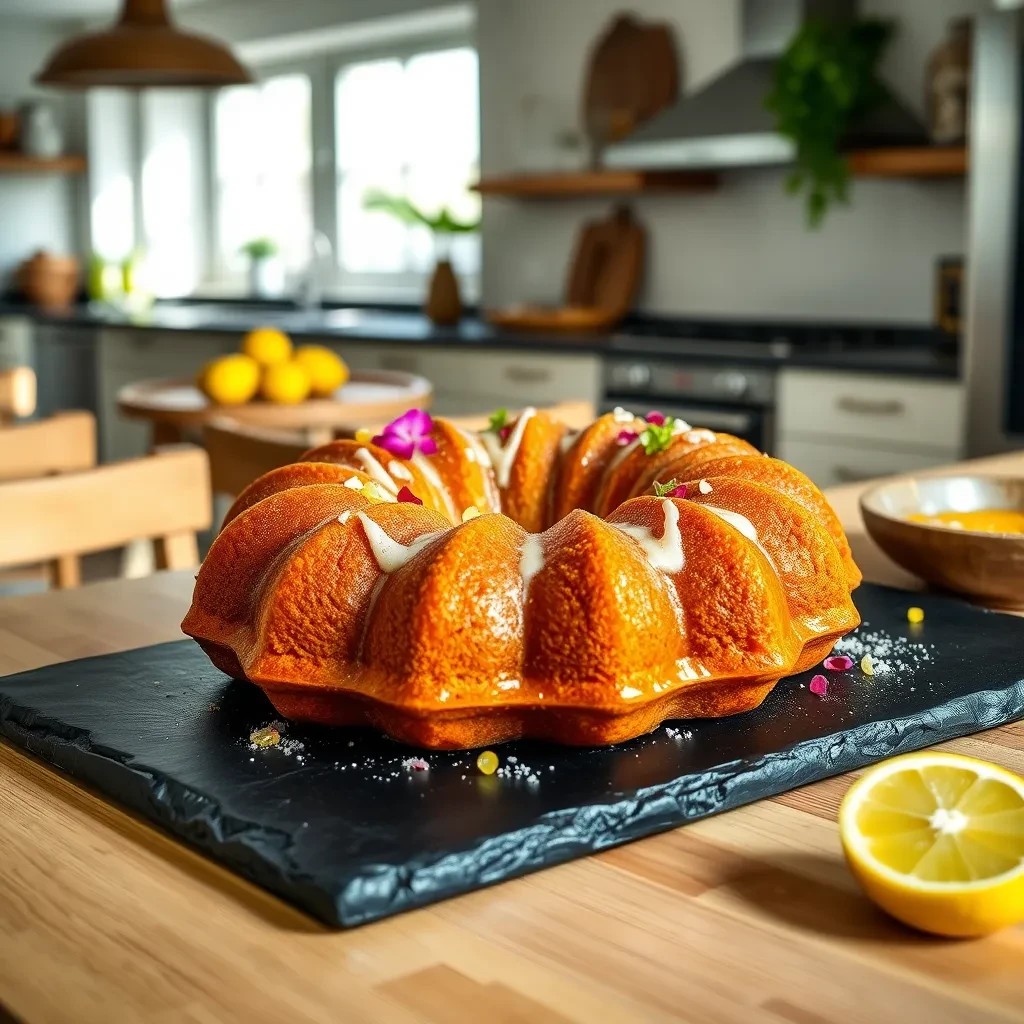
887 349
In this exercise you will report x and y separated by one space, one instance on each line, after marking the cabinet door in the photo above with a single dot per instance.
830 463
127 356
910 411
66 370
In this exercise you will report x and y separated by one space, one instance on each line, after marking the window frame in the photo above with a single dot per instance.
323 71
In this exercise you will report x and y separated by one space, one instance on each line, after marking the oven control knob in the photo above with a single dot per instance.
732 383
634 375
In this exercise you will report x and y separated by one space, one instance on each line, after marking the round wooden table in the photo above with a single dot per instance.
177 407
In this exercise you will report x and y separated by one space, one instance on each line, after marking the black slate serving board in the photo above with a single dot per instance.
334 822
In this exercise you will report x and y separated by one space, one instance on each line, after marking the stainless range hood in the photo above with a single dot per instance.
725 123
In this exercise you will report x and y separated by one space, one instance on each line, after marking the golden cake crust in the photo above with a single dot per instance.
568 603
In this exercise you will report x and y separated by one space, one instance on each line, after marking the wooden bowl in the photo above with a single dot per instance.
987 567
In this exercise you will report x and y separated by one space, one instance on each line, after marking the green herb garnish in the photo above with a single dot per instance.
663 490
656 437
498 420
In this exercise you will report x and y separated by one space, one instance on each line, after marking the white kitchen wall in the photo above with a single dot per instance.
36 211
745 250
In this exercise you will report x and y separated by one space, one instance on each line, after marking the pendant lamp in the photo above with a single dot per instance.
142 50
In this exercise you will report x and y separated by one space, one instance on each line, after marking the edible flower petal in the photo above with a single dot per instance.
915 616
655 417
819 686
408 434
838 663
627 437
406 495
470 513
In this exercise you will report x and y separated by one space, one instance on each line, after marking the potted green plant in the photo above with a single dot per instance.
825 82
266 271
443 304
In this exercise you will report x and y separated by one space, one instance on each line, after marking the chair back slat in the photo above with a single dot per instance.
164 497
60 444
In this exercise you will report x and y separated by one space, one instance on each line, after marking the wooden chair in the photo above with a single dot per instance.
239 454
65 443
163 497
17 393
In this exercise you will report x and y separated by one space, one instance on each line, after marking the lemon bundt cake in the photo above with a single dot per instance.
456 589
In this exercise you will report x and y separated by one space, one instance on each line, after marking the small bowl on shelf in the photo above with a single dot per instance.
984 564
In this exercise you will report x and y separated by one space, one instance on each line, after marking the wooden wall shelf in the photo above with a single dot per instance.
901 162
910 162
569 184
19 163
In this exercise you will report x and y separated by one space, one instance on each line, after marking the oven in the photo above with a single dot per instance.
726 398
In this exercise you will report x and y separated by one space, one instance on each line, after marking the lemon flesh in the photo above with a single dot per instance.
937 840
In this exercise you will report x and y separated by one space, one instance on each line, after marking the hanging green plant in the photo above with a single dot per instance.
826 80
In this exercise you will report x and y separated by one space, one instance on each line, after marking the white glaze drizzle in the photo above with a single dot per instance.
568 440
353 483
666 552
423 464
389 554
701 434
400 471
375 470
531 559
734 519
680 427
502 457
621 415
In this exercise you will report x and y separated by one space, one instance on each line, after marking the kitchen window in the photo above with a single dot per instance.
408 126
296 154
263 160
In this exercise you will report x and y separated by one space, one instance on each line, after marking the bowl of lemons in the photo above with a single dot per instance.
270 368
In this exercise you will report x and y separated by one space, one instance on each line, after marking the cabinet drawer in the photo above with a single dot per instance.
830 463
912 412
518 378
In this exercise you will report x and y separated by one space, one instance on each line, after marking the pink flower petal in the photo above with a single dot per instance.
838 663
627 437
406 495
819 685
428 446
655 417
505 433
414 423
678 492
396 444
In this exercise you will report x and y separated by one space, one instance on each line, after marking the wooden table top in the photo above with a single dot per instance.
747 916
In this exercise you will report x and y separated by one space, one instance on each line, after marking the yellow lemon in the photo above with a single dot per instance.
285 384
230 380
327 371
268 346
937 840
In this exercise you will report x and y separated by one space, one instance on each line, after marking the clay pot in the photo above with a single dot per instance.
8 129
443 303
49 281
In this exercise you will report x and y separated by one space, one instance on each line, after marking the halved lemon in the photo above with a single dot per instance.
937 840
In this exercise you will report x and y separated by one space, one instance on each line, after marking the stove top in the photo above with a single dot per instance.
777 339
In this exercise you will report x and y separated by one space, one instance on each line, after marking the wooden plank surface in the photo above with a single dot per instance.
748 916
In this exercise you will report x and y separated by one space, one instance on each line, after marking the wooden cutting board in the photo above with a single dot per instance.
604 278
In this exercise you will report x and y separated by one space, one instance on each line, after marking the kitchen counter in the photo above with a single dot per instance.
918 352
746 916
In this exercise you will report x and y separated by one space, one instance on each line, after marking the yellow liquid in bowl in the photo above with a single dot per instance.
985 520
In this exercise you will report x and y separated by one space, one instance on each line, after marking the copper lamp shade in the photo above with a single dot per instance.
143 50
